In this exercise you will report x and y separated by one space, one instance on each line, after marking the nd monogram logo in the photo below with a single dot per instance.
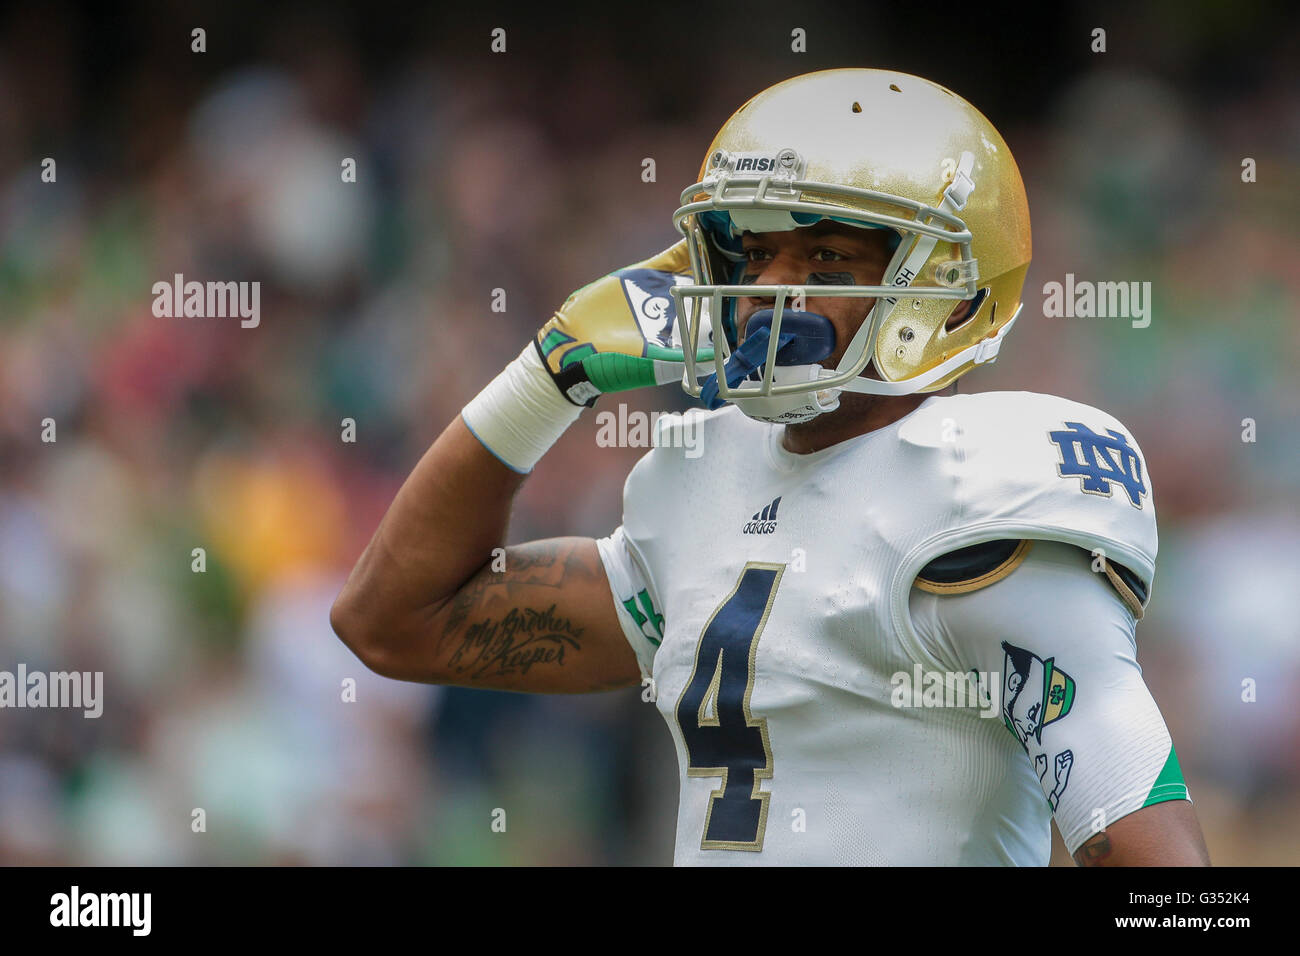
1099 460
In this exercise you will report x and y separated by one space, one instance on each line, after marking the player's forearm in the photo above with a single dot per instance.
449 515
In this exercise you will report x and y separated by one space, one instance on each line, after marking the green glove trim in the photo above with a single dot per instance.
675 355
616 372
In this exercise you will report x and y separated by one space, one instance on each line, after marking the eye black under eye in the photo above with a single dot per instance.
831 278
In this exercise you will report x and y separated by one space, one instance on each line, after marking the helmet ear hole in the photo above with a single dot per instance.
965 311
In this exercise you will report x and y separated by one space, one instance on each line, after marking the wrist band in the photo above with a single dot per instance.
521 413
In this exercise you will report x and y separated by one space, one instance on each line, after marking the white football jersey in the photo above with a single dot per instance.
767 595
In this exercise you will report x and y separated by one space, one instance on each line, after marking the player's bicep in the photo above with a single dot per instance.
1061 640
538 618
1162 834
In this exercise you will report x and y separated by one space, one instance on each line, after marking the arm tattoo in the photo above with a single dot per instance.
1094 851
514 642
511 641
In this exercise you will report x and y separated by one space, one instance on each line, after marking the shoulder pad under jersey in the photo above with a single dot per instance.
1026 465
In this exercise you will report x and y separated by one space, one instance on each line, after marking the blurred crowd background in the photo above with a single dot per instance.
522 171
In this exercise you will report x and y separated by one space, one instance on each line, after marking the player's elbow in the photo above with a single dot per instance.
377 642
359 633
349 626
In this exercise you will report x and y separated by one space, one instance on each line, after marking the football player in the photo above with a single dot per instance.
884 625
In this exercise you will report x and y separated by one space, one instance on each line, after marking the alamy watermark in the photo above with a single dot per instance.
923 688
78 909
637 429
1103 300
208 300
75 689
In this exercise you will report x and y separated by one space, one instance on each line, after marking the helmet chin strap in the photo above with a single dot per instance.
749 357
791 409
804 340
805 406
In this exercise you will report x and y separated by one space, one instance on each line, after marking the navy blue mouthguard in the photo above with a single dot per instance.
806 338
814 335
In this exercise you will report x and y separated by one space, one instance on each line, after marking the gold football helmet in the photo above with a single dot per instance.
876 149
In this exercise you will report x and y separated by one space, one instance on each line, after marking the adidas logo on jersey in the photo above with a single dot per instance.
763 522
